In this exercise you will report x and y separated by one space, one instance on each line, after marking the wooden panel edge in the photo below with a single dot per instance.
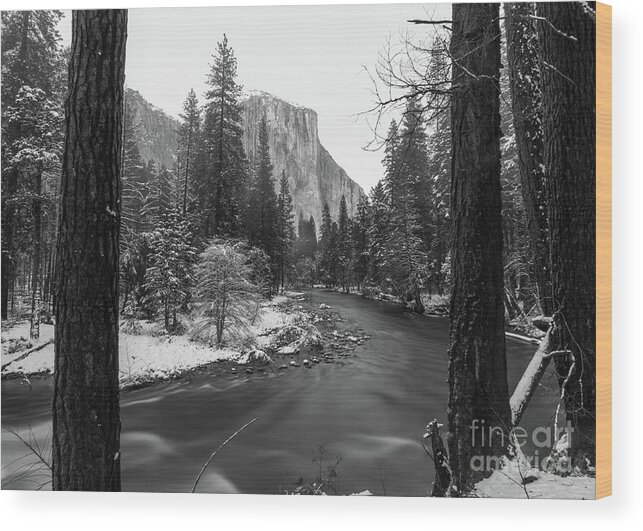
603 250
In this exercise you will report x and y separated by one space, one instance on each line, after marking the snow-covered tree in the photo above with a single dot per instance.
223 177
169 277
285 229
189 143
227 292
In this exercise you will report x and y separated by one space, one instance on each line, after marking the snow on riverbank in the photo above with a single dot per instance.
515 481
145 355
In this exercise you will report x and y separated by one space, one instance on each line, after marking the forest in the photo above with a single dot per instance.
485 213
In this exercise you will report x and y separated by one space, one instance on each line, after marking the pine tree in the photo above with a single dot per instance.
327 250
285 229
311 237
391 157
86 453
263 205
378 232
188 145
361 229
478 389
524 61
412 190
568 37
439 147
220 192
404 249
344 246
169 278
134 180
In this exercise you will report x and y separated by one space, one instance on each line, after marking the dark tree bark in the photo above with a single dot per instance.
478 391
86 424
523 58
568 40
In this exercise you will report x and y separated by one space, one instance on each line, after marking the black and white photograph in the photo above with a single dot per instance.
333 250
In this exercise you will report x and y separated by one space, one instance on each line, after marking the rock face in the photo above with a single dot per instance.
158 132
314 177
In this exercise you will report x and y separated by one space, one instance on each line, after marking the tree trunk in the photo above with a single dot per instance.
8 259
523 58
419 305
34 331
569 123
478 391
86 424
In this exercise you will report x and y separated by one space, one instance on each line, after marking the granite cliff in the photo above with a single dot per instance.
314 177
158 132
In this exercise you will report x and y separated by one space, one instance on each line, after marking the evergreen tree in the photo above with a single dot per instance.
344 246
169 279
568 38
478 388
524 62
411 191
220 191
86 452
377 232
285 229
328 251
149 197
403 248
263 208
188 146
361 229
391 155
306 237
133 181
439 169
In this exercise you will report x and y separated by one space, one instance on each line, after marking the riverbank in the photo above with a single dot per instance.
285 336
438 306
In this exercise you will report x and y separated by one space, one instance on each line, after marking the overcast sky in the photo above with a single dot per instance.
309 55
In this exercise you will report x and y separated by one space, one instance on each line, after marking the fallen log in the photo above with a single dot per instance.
23 356
530 379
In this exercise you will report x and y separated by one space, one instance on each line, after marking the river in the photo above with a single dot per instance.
371 409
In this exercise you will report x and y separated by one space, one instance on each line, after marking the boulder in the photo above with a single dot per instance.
288 350
256 356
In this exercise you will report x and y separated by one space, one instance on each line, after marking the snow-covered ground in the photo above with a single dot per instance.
145 355
508 483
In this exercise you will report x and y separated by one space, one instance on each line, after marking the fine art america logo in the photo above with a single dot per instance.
546 442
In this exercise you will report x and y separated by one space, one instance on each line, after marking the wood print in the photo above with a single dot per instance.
308 250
